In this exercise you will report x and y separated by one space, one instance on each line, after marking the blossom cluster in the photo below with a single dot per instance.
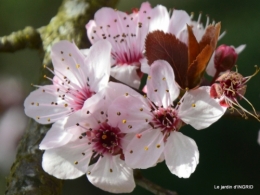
105 123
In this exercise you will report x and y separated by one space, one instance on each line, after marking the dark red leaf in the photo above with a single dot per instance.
197 68
193 45
210 36
165 46
207 46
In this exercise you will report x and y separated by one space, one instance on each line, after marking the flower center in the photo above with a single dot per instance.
79 97
166 119
106 139
233 85
230 87
130 57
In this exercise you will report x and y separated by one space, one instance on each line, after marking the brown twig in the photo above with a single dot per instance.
26 38
151 187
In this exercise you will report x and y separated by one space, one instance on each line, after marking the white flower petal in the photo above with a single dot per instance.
57 136
198 109
85 52
211 70
40 105
161 86
178 22
114 90
111 174
130 114
145 149
240 48
67 59
145 67
104 17
57 166
159 18
98 60
90 26
181 154
69 161
127 74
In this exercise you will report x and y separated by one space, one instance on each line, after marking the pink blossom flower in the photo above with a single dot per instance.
90 144
229 88
156 121
76 80
126 33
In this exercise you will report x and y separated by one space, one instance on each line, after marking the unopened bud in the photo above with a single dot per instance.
225 58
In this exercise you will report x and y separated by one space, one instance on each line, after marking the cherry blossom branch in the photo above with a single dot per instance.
26 175
148 185
28 37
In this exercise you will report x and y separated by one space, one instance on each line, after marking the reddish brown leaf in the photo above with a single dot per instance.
162 46
210 36
193 45
197 68
207 46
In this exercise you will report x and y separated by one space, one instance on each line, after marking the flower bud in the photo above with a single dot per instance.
225 58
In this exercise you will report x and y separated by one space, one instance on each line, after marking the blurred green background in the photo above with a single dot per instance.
229 152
